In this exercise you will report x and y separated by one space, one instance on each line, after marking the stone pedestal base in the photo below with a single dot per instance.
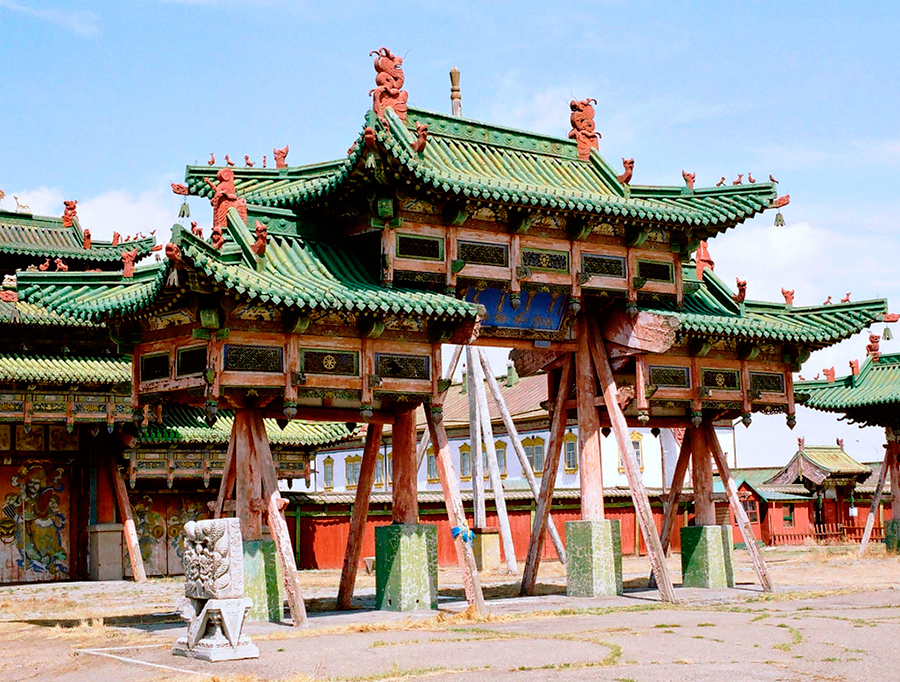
892 536
593 558
486 547
215 630
406 567
263 582
105 547
707 557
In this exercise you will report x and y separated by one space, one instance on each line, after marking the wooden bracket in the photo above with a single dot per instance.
748 351
635 236
456 213
370 326
521 221
698 347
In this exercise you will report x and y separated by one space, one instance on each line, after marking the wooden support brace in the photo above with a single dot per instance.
708 434
128 528
513 434
360 513
262 458
456 513
448 377
475 444
889 454
670 504
632 471
226 485
591 470
405 501
548 482
487 432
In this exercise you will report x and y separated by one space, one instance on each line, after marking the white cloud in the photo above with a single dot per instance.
82 22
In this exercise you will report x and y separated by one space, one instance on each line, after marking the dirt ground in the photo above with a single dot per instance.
832 617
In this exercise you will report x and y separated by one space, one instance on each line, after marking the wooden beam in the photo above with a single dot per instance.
405 501
484 419
548 483
129 531
590 469
448 377
645 332
226 485
333 414
632 470
513 434
456 514
671 502
895 481
876 501
360 513
708 434
475 443
702 473
248 485
262 457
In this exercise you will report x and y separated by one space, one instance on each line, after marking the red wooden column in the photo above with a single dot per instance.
894 467
702 474
248 481
405 501
590 472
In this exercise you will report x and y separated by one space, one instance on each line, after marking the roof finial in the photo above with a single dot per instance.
455 95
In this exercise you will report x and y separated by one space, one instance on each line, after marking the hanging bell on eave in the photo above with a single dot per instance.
779 219
886 334
185 210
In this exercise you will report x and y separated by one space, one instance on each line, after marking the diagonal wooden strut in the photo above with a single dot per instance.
129 531
671 502
275 504
426 436
360 514
226 486
632 471
876 501
548 482
708 433
456 513
513 434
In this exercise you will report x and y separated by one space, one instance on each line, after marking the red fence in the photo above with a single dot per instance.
826 533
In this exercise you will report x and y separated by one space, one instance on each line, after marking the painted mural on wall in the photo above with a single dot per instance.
34 528
159 520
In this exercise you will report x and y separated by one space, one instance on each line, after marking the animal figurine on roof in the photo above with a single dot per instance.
43 267
280 157
228 161
389 78
742 290
688 178
262 239
128 258
721 183
421 138
61 265
740 180
86 240
873 347
212 160
225 197
625 178
69 215
829 374
583 129
198 231
247 162
21 208
788 296
217 239
750 178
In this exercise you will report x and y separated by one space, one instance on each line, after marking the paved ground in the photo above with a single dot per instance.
832 618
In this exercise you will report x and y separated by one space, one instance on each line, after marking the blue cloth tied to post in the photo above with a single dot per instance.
467 535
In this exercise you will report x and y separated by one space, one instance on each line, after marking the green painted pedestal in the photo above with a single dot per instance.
892 536
406 567
707 557
593 558
263 581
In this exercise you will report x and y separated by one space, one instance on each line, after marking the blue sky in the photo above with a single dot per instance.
106 102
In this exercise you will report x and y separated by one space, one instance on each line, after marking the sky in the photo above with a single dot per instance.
106 102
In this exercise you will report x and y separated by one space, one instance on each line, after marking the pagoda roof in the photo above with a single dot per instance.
818 463
869 397
474 160
183 424
710 310
25 234
22 313
64 369
295 273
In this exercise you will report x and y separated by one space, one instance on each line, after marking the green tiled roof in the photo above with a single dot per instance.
833 459
45 237
710 310
878 383
64 370
474 160
182 424
27 314
295 273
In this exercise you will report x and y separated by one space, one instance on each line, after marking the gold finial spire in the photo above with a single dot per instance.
455 96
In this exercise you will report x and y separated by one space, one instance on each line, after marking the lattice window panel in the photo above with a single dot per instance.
557 261
415 278
655 271
190 361
769 382
154 367
424 248
725 379
605 266
336 363
391 366
479 253
253 359
676 377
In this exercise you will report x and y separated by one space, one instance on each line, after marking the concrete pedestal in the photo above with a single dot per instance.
486 547
263 581
707 557
406 567
105 551
593 558
892 536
